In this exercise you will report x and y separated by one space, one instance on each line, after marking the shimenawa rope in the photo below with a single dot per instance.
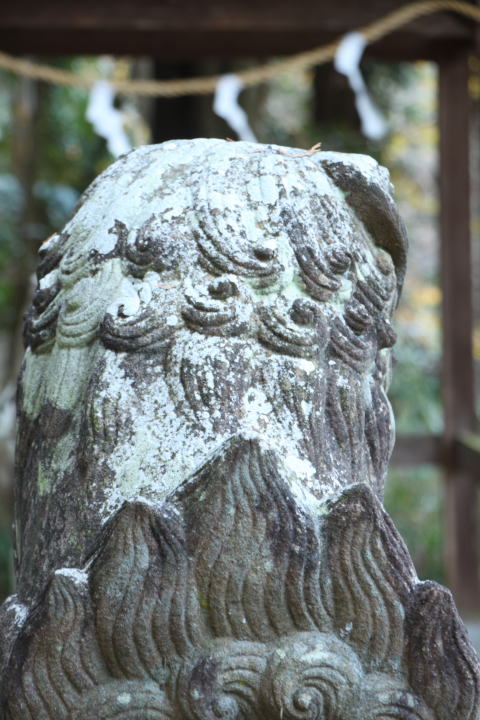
253 76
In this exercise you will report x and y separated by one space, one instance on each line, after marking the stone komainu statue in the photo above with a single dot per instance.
203 439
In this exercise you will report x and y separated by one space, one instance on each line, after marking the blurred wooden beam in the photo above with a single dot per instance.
187 29
413 450
467 459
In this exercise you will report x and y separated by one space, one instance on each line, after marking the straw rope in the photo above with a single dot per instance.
253 76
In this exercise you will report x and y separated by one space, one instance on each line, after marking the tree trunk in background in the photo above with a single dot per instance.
26 120
334 100
26 110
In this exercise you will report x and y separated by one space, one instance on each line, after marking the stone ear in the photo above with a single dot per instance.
374 206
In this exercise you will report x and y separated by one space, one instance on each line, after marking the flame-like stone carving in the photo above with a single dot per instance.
204 434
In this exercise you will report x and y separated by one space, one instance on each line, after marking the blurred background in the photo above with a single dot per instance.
50 152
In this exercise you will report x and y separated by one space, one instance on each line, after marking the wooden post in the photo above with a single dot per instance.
458 376
188 116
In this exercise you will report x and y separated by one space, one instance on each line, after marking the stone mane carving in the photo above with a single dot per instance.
204 434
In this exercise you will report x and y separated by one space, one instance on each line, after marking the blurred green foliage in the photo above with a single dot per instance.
414 498
68 156
415 388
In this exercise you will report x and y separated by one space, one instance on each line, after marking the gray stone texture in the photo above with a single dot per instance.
203 439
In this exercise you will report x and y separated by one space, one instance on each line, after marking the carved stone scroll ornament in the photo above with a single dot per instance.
203 439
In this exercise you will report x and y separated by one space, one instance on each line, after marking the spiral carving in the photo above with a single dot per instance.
246 258
141 332
222 685
153 247
217 310
299 332
386 697
311 678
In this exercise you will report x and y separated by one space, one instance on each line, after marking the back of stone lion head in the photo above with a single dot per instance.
186 302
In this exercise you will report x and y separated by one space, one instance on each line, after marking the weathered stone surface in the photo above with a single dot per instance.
203 441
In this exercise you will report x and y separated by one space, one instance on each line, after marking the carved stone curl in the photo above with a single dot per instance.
204 434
